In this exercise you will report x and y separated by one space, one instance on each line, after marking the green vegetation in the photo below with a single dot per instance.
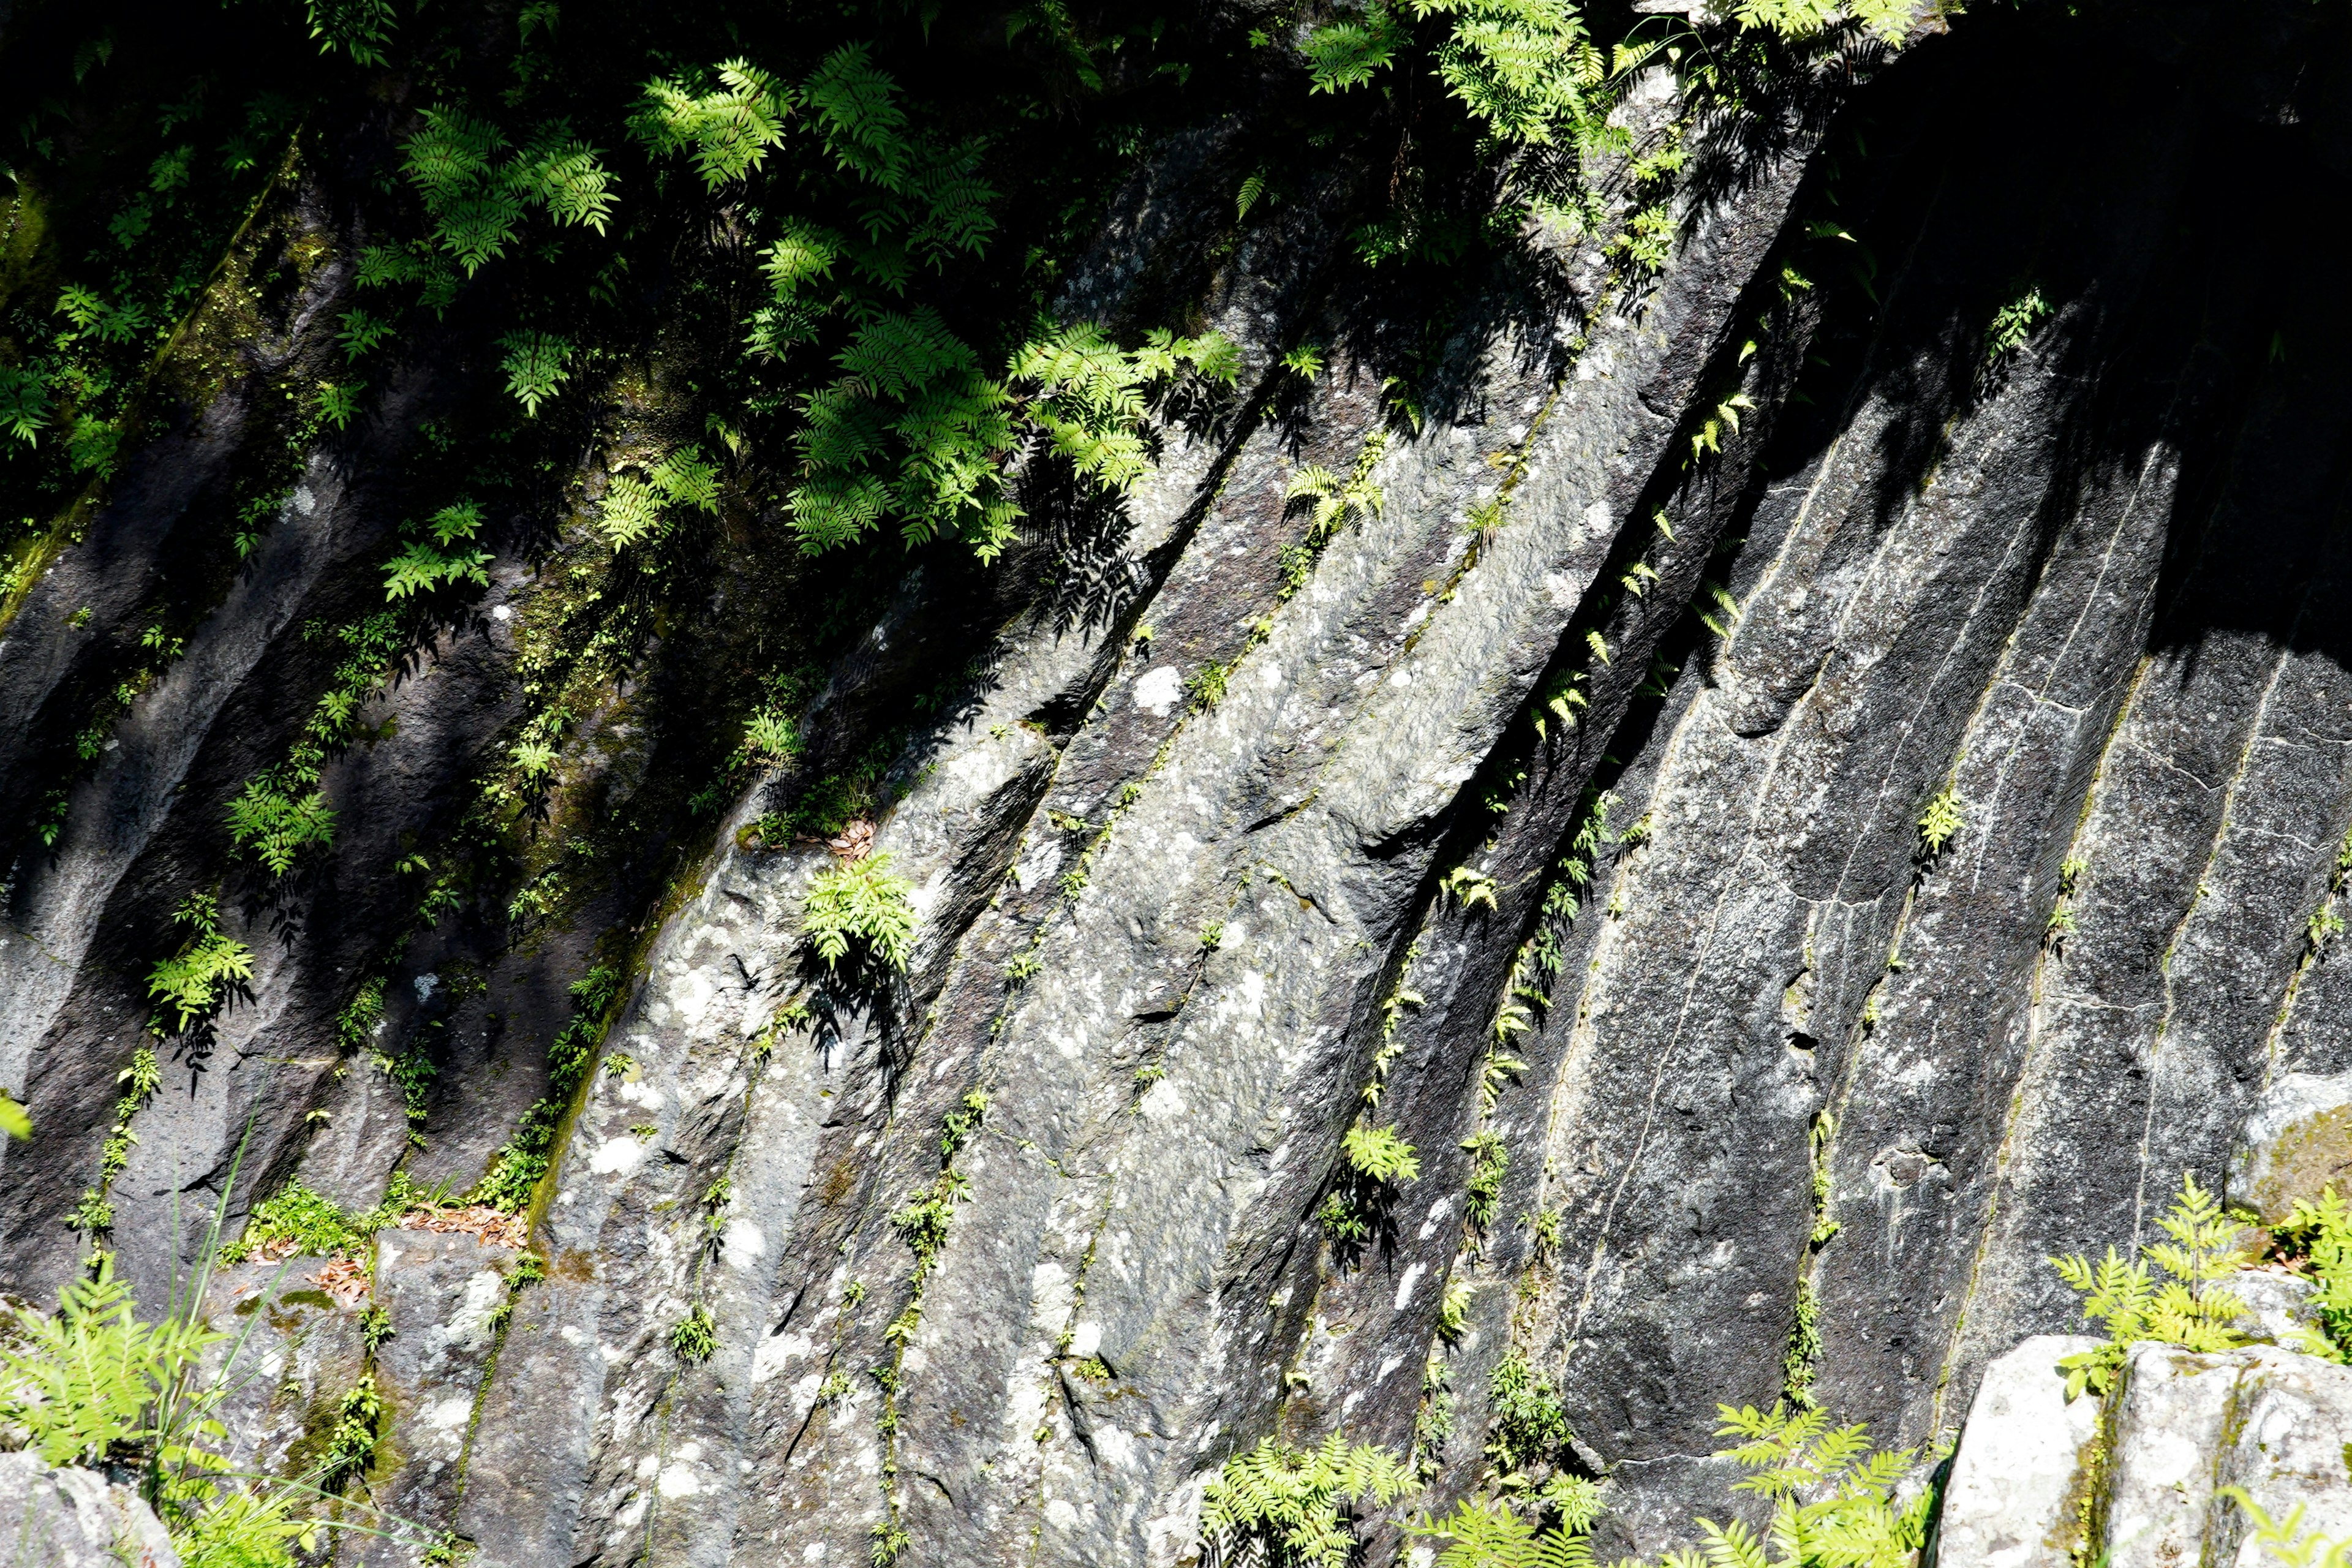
93 1384
1282 1507
515 1170
693 1337
282 811
860 905
296 1222
361 1420
194 982
1940 819
2013 323
2191 1308
1832 1507
1530 1428
2319 1235
1490 1161
1374 1162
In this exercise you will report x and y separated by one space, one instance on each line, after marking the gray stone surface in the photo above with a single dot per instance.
2090 589
68 1518
289 1353
2273 1423
2022 1469
2296 1144
442 1294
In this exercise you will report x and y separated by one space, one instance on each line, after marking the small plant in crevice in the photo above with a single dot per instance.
439 551
139 1082
1833 1501
1490 1161
1801 1357
2013 324
1940 819
860 906
1529 1425
514 1171
1469 887
281 811
1374 1162
2318 1237
2063 923
210 967
360 1421
693 1337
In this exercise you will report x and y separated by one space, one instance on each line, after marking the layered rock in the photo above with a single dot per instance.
1773 1092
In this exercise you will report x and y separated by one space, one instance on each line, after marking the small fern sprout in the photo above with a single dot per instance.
536 367
1939 821
693 1337
1305 361
1472 888
1379 1153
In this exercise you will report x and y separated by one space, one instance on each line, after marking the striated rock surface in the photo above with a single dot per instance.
1926 871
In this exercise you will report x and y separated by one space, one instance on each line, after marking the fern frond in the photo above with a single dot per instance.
858 115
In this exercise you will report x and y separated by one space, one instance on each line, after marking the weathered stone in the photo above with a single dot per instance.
2172 1423
292 1351
68 1518
2290 1448
2022 1471
442 1294
2297 1143
2272 1423
2278 1306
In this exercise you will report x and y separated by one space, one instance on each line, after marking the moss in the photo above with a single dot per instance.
2304 1160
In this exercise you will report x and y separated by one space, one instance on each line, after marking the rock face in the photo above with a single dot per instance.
2041 1481
68 1518
1815 790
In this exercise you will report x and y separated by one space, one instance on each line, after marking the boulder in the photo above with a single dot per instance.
2014 1497
62 1517
2298 1140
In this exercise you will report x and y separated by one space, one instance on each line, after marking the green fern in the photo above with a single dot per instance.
1280 1507
1940 819
361 28
2189 1309
93 1384
276 825
193 981
535 366
23 401
423 565
1348 53
1531 1425
1525 67
476 192
2320 1235
860 905
727 129
1379 1153
693 1337
1482 1532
